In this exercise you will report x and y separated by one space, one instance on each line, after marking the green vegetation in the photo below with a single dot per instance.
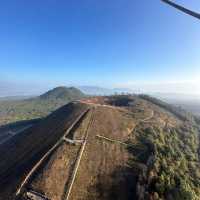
62 93
12 111
167 158
172 162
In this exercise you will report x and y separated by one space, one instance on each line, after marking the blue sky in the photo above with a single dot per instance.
115 43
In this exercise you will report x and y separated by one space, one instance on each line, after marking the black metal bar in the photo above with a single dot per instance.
183 9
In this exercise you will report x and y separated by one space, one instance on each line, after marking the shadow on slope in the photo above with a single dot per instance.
22 151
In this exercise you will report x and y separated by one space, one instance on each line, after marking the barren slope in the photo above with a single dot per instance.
107 168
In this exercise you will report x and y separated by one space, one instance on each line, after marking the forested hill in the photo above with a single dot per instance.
63 93
12 111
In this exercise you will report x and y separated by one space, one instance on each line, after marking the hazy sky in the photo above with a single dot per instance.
116 43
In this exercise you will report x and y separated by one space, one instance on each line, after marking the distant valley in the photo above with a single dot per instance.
191 106
191 103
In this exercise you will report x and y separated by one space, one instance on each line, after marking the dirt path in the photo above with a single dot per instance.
103 173
66 194
143 120
30 175
96 169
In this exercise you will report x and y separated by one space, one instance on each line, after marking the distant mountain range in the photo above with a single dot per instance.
71 91
29 107
94 90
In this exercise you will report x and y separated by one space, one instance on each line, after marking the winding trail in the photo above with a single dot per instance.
143 120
